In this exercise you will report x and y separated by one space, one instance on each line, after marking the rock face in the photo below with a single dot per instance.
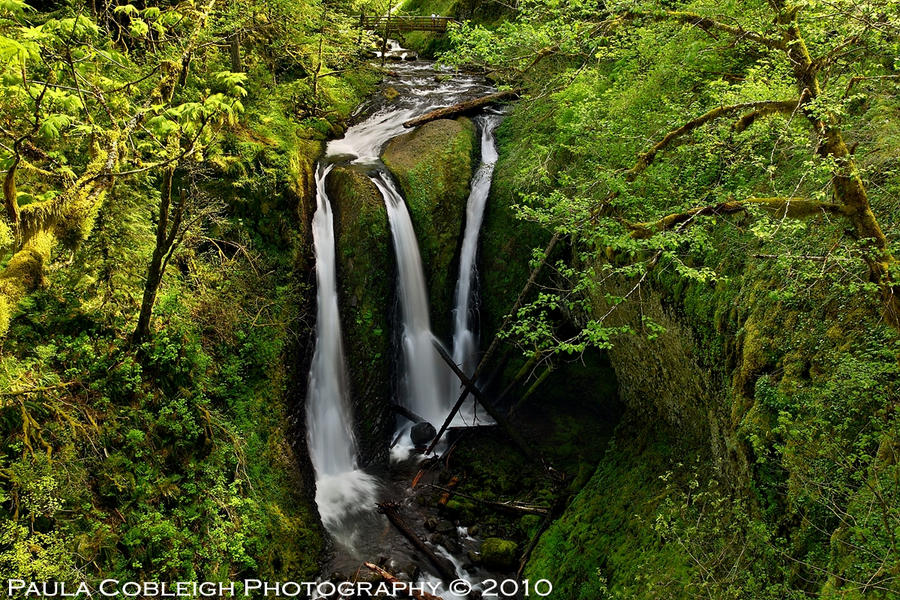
365 266
434 165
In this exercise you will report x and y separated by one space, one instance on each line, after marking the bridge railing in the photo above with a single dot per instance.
404 23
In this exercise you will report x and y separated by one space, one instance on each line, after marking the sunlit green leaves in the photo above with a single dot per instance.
53 125
14 7
234 82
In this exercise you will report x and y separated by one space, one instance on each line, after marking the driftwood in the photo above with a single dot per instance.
408 414
392 511
392 579
495 414
512 507
495 343
463 108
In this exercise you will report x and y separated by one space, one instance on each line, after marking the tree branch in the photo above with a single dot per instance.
782 107
780 207
647 158
708 25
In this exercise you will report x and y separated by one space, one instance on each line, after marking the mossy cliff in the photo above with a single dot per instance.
722 437
365 265
434 165
506 242
741 396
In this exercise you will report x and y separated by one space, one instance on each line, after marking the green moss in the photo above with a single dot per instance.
365 267
604 540
499 554
434 165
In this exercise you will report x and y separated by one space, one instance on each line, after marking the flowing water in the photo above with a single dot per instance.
465 342
346 495
341 488
424 370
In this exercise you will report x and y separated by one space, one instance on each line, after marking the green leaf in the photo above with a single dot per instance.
15 7
139 28
126 9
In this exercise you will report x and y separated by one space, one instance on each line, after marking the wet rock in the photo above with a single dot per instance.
390 93
412 571
431 523
365 268
422 433
474 557
473 530
367 575
445 527
499 554
437 539
452 545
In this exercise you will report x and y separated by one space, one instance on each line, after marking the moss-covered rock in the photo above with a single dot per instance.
434 165
365 265
499 554
604 542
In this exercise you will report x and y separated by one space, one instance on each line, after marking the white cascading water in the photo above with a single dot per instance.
340 486
345 494
424 369
342 489
465 346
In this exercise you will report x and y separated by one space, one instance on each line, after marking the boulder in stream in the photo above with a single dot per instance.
422 433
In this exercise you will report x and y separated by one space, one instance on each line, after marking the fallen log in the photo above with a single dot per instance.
392 511
512 507
406 413
401 586
495 414
463 108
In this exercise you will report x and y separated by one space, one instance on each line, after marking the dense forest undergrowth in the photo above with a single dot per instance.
709 191
159 158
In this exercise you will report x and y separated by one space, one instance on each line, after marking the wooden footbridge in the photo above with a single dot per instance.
404 23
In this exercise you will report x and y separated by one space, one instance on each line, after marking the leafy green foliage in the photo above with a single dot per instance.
171 460
783 311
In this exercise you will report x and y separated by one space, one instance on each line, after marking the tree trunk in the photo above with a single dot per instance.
234 49
9 194
164 242
849 188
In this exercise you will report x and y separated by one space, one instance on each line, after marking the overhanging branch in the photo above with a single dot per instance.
779 207
708 25
647 158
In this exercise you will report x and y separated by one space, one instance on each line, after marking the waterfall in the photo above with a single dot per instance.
424 370
464 337
340 486
345 494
